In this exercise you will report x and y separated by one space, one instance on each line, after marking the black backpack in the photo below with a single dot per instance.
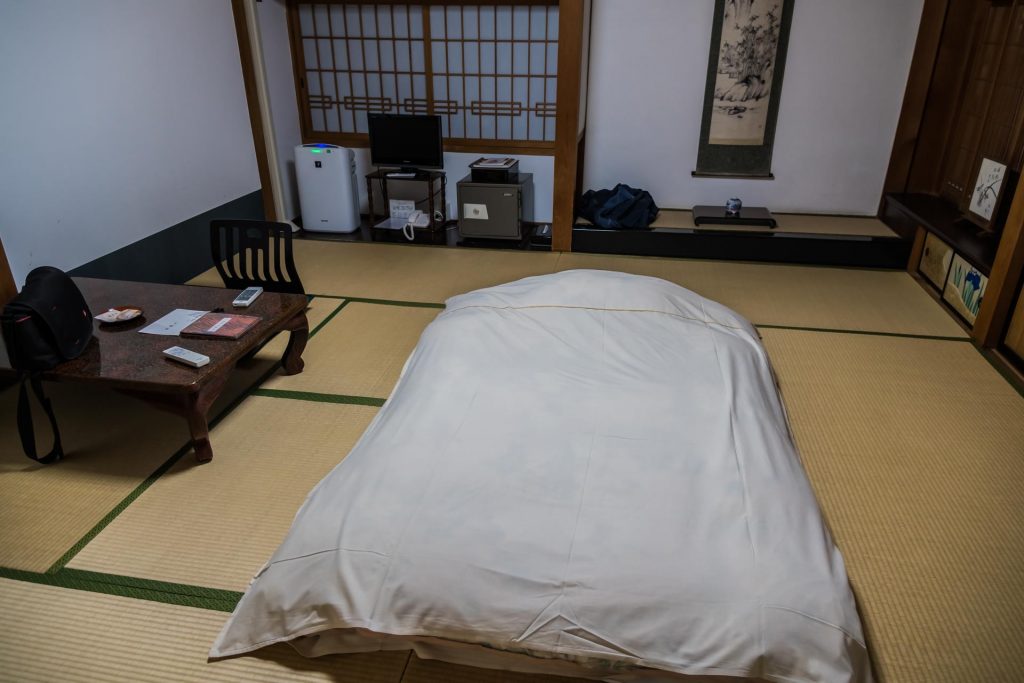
47 323
621 208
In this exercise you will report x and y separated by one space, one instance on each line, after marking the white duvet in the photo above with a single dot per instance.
588 473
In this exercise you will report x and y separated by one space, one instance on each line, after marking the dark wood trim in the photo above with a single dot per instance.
361 140
427 2
507 146
298 67
581 156
252 100
944 97
567 108
7 286
1001 293
1006 364
922 68
733 245
428 59
915 251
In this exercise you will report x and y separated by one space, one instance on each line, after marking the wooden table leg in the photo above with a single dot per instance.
194 407
292 359
197 406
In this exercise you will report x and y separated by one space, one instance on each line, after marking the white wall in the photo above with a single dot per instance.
845 74
119 119
284 109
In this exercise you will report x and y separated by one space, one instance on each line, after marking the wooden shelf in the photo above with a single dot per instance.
934 214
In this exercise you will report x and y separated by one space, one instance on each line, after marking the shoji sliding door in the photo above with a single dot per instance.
489 70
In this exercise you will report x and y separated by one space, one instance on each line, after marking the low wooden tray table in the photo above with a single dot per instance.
120 358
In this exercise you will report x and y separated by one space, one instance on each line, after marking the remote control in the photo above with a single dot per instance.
196 360
247 296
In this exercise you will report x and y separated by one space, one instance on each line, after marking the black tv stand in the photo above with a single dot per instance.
405 172
430 200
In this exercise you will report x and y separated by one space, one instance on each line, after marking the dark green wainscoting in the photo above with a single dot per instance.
175 254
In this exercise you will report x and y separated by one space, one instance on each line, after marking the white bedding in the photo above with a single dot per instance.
588 473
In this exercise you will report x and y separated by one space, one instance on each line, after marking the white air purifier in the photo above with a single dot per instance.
328 190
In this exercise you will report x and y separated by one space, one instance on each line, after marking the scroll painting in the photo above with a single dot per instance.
744 83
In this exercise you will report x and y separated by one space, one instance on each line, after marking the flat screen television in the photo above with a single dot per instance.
409 141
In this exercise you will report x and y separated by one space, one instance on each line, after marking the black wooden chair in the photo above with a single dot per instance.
255 254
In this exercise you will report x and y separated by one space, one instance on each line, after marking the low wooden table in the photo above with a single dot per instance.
120 358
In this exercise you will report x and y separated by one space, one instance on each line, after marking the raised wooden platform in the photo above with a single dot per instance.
799 238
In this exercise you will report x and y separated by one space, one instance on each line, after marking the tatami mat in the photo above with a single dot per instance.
404 272
216 525
52 634
768 294
112 443
319 309
796 296
434 671
360 352
914 446
916 450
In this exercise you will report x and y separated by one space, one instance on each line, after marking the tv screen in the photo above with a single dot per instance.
405 140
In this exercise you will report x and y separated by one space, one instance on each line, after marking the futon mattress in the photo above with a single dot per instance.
587 473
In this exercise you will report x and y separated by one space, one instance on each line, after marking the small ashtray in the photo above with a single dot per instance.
119 314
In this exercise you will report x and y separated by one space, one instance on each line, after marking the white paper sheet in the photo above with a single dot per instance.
174 322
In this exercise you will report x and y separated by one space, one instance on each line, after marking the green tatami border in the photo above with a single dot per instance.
902 335
322 398
119 508
130 587
382 302
329 318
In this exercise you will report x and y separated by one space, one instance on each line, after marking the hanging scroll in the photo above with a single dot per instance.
741 99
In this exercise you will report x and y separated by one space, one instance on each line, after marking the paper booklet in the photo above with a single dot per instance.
493 162
220 326
173 323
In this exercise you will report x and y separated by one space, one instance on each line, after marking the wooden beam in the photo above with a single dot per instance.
252 99
922 67
1001 292
915 253
570 64
7 287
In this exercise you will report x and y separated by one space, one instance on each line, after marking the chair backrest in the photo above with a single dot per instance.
255 253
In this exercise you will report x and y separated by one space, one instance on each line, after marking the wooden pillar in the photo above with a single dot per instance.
571 28
252 97
922 67
1002 282
7 287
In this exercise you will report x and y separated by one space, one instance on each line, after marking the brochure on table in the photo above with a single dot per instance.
174 322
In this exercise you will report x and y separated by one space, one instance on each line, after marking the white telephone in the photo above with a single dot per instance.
416 219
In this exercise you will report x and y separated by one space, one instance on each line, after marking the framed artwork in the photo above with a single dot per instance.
987 191
935 261
965 288
744 83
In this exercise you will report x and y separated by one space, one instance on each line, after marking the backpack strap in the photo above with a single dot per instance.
28 437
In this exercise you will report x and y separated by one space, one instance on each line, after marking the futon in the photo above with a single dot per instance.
589 474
